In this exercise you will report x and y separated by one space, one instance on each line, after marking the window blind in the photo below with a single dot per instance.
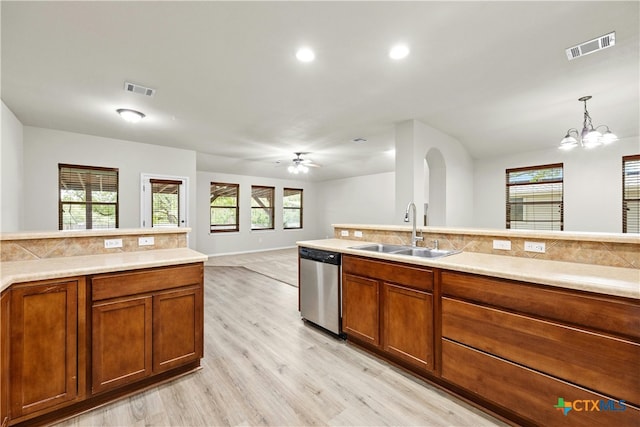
534 198
262 207
224 207
631 194
292 208
87 197
165 202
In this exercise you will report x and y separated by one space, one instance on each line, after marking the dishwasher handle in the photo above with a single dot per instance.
318 255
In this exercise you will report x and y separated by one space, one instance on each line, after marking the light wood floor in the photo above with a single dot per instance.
279 264
263 366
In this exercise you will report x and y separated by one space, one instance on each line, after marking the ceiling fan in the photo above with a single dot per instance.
301 165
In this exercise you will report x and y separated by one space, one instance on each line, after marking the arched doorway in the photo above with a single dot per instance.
435 188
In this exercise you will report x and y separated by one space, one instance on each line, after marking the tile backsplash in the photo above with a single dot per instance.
579 251
40 248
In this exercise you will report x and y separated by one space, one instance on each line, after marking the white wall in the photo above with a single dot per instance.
414 139
592 186
368 199
246 240
45 148
11 186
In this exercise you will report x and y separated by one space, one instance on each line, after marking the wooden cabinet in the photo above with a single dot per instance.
43 357
63 341
177 327
389 307
361 308
121 342
145 323
4 357
521 346
408 325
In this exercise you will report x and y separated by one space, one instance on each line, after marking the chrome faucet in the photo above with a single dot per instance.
435 244
414 237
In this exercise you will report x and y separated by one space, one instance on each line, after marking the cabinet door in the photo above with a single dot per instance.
408 325
121 342
4 357
360 309
177 328
43 346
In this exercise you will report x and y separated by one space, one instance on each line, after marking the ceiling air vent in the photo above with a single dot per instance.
139 89
591 46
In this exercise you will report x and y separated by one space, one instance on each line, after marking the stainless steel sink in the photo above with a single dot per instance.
426 252
380 248
406 250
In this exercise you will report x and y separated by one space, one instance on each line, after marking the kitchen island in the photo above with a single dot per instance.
532 341
83 324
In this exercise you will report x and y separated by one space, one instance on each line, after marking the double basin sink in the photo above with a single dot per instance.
406 250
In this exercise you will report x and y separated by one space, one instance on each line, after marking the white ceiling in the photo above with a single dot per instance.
492 74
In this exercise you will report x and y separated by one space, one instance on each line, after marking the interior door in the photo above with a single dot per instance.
163 201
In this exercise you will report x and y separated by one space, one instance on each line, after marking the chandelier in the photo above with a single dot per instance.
590 137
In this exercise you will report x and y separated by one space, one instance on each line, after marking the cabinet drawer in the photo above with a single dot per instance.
402 274
115 285
528 393
590 359
616 315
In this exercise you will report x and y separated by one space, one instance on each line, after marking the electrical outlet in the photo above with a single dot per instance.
112 243
534 247
504 245
344 233
357 233
146 241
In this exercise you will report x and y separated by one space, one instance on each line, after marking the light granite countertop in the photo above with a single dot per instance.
106 232
624 282
53 268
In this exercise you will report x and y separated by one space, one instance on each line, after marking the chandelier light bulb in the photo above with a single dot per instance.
568 142
609 137
590 137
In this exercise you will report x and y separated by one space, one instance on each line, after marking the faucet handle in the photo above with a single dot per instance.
435 244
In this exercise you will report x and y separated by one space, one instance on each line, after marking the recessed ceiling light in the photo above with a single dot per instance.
131 116
305 55
399 51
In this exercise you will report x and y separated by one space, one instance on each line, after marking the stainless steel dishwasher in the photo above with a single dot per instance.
320 289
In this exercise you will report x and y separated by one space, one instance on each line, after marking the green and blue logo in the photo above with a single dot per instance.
586 405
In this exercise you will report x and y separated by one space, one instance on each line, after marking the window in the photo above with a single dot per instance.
163 200
535 198
631 194
292 208
262 207
224 207
88 197
165 203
